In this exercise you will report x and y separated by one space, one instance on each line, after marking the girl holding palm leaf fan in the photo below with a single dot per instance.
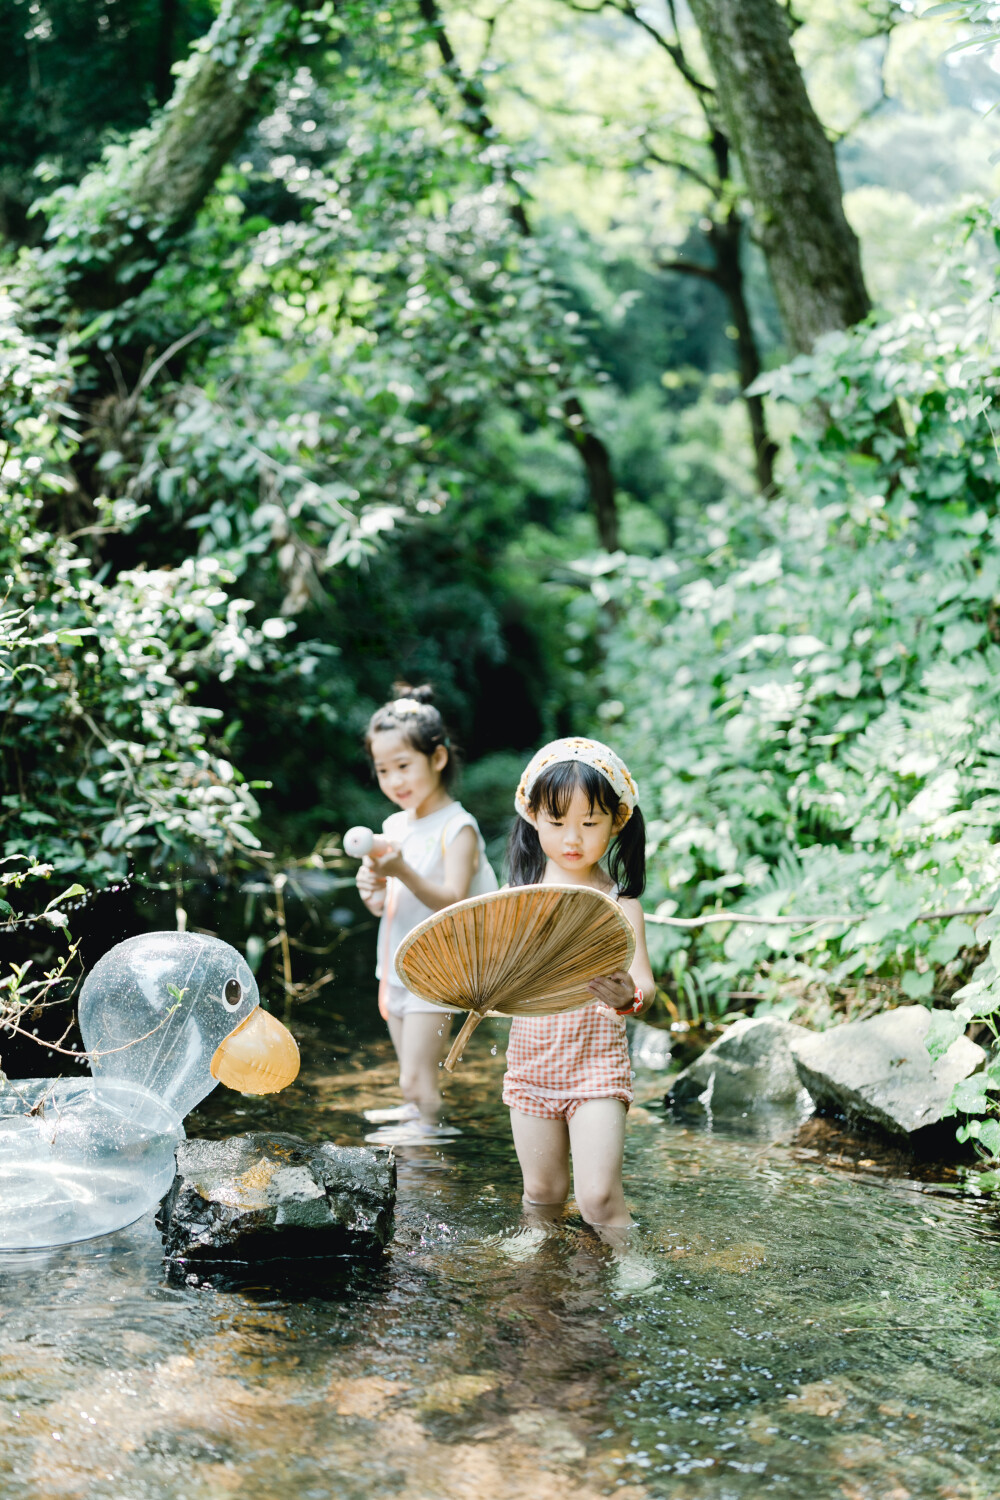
568 1081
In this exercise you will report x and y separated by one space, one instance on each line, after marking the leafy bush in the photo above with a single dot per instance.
808 694
104 753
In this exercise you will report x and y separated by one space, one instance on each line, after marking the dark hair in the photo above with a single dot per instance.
551 794
423 728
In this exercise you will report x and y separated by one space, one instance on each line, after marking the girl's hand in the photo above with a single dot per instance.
368 879
371 887
617 991
392 863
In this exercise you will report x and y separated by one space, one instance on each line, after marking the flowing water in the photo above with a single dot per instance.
814 1325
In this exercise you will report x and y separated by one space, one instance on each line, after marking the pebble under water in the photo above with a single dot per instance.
817 1326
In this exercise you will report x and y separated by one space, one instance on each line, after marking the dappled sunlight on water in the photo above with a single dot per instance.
784 1323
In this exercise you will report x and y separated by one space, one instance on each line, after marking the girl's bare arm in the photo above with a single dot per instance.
618 988
461 860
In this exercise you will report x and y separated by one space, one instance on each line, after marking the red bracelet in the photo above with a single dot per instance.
630 1010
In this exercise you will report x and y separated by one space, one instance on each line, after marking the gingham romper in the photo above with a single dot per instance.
554 1063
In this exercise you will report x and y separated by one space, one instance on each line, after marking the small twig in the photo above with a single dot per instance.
307 991
280 881
154 369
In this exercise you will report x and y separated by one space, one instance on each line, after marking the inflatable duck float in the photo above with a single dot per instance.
164 1018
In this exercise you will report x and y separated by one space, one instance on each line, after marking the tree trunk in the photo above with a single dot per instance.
601 489
725 238
229 75
789 167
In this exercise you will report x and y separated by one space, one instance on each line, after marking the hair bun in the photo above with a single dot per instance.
422 694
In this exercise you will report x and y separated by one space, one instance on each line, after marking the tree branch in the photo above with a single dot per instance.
126 229
866 114
715 188
674 50
844 919
689 268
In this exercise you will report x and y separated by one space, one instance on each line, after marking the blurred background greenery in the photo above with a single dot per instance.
348 344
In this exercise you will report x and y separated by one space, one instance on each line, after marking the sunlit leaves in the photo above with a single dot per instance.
811 706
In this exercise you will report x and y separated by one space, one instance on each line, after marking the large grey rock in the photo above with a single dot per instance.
879 1071
750 1064
270 1196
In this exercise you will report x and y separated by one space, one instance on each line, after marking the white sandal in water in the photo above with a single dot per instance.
411 1133
391 1116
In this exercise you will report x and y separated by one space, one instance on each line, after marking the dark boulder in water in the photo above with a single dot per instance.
271 1197
750 1065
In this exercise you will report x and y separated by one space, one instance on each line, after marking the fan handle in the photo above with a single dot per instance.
472 1020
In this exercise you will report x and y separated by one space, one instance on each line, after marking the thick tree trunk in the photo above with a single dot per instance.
228 77
789 167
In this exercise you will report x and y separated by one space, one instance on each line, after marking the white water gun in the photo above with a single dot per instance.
359 842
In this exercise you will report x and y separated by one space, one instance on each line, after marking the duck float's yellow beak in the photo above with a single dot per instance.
259 1057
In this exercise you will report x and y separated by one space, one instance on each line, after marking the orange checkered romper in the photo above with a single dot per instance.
555 1063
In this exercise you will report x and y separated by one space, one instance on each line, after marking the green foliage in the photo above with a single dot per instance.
25 994
75 72
808 695
343 421
324 445
104 755
976 1098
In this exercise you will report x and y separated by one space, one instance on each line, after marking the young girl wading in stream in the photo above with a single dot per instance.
438 857
568 1081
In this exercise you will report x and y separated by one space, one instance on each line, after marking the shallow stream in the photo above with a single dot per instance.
819 1324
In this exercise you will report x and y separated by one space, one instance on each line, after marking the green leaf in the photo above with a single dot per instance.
956 936
71 890
944 1029
918 986
989 1136
878 926
969 1096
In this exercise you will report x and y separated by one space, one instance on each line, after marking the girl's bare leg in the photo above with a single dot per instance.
423 1043
597 1139
542 1148
395 1024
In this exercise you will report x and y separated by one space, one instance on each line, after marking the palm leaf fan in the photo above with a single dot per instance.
529 950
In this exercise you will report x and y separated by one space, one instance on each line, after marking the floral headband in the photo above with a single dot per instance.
588 753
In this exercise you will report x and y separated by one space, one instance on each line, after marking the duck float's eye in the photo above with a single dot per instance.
232 994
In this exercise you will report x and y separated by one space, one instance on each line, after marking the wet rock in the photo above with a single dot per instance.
878 1072
274 1197
649 1046
455 1392
750 1064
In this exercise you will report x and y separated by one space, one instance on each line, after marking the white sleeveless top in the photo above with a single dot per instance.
422 843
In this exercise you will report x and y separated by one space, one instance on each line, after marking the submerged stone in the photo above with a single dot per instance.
880 1073
267 1196
751 1063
